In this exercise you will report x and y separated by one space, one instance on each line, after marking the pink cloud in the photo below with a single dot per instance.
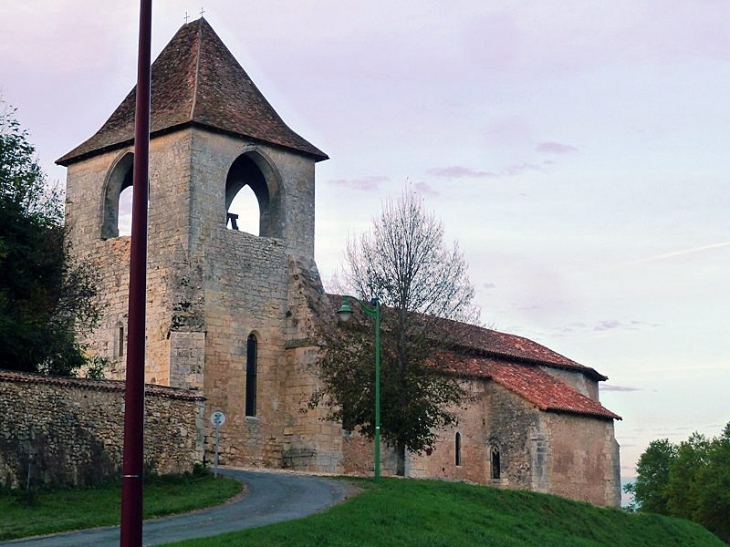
366 184
461 172
425 189
555 148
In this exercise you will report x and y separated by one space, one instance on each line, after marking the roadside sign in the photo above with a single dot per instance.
217 418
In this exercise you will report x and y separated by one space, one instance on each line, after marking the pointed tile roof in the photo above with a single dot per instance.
196 80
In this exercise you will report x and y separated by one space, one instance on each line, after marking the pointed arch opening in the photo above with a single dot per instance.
243 213
457 449
251 374
252 196
117 199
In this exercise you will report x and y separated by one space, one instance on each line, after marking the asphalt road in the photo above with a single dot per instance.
270 497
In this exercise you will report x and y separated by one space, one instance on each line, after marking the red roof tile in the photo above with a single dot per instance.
196 80
532 384
492 342
475 339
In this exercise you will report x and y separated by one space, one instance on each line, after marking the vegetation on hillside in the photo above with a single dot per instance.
45 297
405 513
690 480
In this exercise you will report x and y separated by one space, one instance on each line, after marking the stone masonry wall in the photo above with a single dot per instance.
575 456
493 418
585 459
174 281
68 431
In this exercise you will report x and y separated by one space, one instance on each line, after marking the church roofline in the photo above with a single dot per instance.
197 81
531 383
65 161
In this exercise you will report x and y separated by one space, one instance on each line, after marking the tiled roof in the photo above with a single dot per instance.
515 363
196 80
531 383
492 342
97 385
475 339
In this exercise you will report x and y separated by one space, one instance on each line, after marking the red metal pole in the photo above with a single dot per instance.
133 457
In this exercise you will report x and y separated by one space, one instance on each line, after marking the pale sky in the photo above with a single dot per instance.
577 150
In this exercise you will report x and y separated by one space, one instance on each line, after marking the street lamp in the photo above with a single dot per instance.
344 313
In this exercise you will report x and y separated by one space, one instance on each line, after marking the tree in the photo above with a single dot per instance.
684 487
421 285
650 487
690 480
44 296
713 499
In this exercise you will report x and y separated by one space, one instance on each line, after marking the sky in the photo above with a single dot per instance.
576 150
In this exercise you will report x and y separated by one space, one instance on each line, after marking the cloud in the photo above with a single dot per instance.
489 285
609 324
609 387
461 172
425 189
366 184
555 148
606 325
672 254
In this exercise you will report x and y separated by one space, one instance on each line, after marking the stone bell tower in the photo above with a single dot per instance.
228 313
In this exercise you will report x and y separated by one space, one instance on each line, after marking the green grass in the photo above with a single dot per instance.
61 510
433 514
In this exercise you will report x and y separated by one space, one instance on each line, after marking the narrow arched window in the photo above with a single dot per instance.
251 376
119 340
457 448
496 470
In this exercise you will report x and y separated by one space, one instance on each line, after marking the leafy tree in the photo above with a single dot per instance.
690 480
650 487
420 282
44 296
684 487
713 497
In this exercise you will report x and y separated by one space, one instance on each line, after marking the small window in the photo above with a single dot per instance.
496 471
457 449
118 340
251 376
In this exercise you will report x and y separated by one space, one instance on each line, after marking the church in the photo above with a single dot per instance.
233 316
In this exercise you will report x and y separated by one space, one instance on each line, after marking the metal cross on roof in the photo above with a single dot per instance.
186 17
202 11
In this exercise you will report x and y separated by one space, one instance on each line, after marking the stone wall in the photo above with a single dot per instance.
575 456
70 431
584 461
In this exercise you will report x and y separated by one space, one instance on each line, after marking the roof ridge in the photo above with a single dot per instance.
197 70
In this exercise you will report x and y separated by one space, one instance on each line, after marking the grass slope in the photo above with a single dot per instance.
433 513
76 508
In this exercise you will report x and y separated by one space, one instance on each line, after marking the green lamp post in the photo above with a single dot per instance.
344 313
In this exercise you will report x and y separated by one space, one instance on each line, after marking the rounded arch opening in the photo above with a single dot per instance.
251 196
114 212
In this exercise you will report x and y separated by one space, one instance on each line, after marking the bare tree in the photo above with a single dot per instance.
420 283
